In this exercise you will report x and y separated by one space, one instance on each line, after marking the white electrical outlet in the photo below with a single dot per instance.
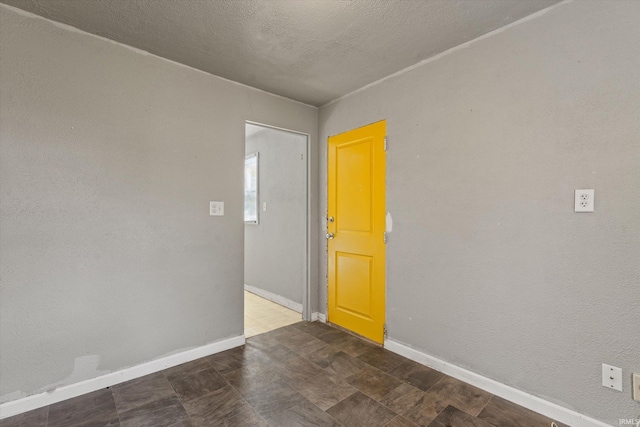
611 377
585 200
636 387
216 208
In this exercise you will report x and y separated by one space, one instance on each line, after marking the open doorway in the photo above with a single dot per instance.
276 228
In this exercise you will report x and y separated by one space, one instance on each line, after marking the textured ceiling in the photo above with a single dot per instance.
312 51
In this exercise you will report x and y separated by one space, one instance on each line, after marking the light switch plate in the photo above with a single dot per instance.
216 208
636 387
611 377
585 200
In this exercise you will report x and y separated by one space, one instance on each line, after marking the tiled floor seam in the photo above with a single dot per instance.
405 382
434 384
355 390
250 405
180 398
485 405
118 414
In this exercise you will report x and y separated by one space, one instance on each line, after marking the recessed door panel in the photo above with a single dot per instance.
354 204
355 273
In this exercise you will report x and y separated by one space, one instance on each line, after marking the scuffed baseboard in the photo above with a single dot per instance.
40 400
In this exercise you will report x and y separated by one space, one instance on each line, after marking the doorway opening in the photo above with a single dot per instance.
276 235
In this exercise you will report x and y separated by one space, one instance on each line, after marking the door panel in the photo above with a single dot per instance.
357 271
353 201
356 248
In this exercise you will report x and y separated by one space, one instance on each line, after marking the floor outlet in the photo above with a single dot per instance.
611 377
636 387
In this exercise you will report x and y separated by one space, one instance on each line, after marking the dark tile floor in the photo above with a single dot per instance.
306 374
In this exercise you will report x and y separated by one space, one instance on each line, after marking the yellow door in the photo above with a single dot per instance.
355 230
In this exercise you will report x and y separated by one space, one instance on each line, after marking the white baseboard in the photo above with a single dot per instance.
320 317
519 397
285 302
36 401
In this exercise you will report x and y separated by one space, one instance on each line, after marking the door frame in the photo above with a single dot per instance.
306 288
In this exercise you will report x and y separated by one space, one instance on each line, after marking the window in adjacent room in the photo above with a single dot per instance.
251 188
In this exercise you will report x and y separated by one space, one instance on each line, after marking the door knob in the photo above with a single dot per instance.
330 236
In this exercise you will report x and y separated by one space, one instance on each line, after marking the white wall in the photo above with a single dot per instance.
489 268
109 158
276 247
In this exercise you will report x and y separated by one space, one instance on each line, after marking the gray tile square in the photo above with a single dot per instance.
157 413
141 391
96 409
453 417
218 407
382 359
196 385
305 414
276 397
35 418
359 410
502 413
373 382
417 375
325 391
